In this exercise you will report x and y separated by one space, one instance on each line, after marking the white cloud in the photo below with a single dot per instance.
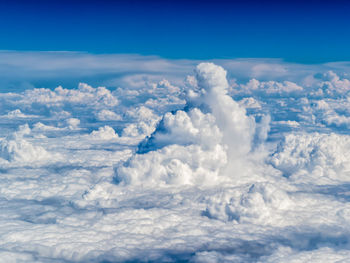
333 85
18 114
196 145
107 115
169 168
288 123
272 87
250 103
73 123
314 158
85 94
104 133
19 150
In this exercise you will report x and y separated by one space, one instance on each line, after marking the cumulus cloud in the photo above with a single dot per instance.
314 158
16 149
73 123
194 146
261 203
250 103
104 133
334 85
244 165
107 115
84 94
272 87
147 121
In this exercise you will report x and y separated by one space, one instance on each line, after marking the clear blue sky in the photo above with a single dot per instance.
306 32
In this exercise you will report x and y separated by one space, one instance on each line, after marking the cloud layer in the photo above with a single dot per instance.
176 162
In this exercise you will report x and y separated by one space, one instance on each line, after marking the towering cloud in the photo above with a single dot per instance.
194 145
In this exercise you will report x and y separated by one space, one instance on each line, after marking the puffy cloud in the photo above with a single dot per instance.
333 85
250 103
18 114
174 164
193 146
104 133
147 121
85 94
16 149
332 117
107 115
73 123
314 158
184 129
324 254
237 128
200 171
272 87
260 203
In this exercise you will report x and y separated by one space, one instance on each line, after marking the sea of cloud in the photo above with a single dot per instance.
222 166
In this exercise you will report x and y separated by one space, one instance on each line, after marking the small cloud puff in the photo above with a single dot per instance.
250 103
104 133
73 123
107 115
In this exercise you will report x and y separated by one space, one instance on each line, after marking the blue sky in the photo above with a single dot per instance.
311 32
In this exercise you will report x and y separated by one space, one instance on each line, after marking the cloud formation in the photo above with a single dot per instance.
244 163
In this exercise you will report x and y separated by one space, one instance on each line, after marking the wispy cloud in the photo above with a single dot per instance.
50 69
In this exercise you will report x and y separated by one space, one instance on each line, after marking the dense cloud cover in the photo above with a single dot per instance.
213 169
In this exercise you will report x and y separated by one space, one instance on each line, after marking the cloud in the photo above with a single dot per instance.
250 103
261 203
104 133
188 145
51 69
313 158
16 149
107 115
272 87
59 96
14 114
173 162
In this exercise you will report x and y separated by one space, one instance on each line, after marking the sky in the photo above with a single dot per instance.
295 31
